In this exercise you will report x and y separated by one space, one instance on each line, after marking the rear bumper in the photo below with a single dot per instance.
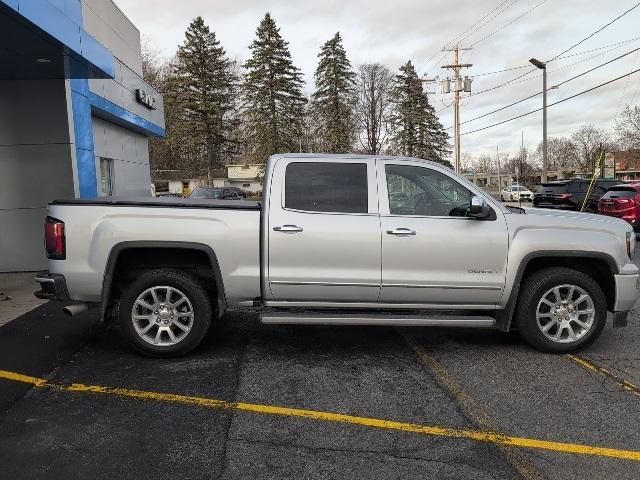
627 292
53 286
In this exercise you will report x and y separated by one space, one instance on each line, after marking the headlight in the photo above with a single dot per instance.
631 244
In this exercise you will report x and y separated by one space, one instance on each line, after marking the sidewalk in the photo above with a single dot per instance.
16 295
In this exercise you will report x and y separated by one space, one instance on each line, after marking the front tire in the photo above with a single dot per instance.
560 310
165 313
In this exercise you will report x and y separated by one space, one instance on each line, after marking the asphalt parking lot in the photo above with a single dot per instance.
314 402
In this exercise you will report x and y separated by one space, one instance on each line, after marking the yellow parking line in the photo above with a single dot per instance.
433 430
523 466
594 367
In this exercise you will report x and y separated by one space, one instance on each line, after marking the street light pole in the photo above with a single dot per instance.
543 67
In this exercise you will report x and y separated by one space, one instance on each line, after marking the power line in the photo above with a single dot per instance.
555 86
552 104
596 32
460 35
623 42
626 85
509 23
514 81
520 67
504 84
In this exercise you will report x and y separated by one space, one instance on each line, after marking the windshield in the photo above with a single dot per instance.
520 189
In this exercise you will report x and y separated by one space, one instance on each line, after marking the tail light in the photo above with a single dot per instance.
563 196
54 242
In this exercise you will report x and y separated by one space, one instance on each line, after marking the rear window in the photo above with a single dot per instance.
551 188
578 187
620 192
326 187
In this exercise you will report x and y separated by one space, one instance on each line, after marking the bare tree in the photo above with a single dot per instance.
590 142
522 166
373 108
486 163
628 127
562 153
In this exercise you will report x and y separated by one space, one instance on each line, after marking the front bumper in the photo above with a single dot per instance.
627 292
52 286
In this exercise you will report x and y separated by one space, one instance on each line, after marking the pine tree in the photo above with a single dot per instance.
333 100
203 89
273 95
417 132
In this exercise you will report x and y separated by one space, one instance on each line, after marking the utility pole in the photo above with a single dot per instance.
543 66
498 162
459 85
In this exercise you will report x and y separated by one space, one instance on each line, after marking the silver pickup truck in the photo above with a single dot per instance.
341 240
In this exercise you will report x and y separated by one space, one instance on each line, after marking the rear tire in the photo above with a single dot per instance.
164 313
563 324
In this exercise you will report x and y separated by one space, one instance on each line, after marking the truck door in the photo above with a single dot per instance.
432 253
323 231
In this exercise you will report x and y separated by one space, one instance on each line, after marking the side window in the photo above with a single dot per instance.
326 187
422 191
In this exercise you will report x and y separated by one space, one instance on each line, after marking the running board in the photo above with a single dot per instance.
293 318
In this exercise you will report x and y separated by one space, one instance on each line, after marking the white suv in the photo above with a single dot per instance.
515 193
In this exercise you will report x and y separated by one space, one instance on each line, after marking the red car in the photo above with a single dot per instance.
622 201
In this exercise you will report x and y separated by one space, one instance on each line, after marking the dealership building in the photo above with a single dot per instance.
75 115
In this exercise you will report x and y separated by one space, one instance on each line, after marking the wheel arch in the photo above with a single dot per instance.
600 266
120 252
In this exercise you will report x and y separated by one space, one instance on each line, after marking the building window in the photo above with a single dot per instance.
106 177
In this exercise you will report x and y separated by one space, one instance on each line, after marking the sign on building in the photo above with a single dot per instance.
145 99
609 166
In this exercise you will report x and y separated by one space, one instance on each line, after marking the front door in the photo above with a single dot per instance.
432 252
323 231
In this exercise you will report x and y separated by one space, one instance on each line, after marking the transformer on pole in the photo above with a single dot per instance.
457 84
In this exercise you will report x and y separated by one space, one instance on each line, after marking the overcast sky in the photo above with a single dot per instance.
394 31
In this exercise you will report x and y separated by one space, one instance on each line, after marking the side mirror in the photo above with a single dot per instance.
478 208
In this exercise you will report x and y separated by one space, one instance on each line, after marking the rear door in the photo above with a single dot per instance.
323 231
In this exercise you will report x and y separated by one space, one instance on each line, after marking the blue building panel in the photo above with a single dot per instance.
61 22
100 56
87 178
47 17
71 8
120 116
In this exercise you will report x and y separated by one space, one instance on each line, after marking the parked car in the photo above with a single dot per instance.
570 194
168 194
515 193
328 245
622 201
219 193
241 193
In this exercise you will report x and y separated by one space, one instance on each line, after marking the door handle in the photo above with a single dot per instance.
288 229
401 232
